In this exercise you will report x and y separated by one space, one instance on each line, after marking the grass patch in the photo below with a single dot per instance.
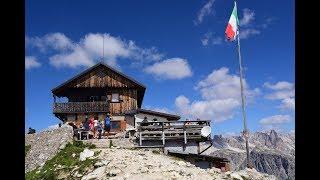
65 159
80 144
133 148
176 158
155 152
26 149
110 144
244 178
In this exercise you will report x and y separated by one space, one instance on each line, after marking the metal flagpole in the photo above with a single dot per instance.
245 131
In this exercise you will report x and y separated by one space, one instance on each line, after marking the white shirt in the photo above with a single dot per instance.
95 123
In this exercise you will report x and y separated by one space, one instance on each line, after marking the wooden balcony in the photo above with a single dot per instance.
78 107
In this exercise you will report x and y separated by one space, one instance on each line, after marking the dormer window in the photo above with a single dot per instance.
115 97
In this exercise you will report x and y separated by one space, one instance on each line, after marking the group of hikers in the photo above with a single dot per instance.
94 127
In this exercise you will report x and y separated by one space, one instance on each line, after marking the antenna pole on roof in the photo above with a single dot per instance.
102 48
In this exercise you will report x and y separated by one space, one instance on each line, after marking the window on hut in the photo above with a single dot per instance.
94 98
103 98
115 97
115 125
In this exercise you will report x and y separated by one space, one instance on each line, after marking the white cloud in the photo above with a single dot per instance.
247 21
247 18
204 11
183 105
230 134
160 109
283 91
288 103
275 120
31 62
280 95
218 110
246 33
53 126
204 41
89 50
174 68
206 38
268 22
113 47
292 131
73 59
56 41
220 84
281 85
216 40
220 92
209 39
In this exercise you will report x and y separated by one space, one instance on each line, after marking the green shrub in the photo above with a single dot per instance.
26 149
80 144
63 158
110 144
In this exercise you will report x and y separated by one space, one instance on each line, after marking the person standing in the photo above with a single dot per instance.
144 122
86 125
91 125
107 124
95 124
99 129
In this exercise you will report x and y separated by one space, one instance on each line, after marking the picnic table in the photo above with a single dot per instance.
81 132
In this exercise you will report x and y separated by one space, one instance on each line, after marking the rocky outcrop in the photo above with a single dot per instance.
119 163
272 162
270 152
45 145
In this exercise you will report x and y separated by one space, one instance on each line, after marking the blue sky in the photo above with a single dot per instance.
176 48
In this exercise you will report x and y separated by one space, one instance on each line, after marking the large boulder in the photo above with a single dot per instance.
86 154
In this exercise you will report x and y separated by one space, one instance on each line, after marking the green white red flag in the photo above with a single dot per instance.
232 27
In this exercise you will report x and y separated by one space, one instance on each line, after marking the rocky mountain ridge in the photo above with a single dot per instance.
270 152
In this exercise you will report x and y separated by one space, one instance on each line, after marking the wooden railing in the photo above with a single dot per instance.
171 130
74 107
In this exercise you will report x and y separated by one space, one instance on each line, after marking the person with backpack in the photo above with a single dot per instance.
107 124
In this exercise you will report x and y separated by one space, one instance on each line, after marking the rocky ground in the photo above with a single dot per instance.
117 163
47 156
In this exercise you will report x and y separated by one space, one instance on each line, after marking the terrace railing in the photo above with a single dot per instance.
171 130
76 107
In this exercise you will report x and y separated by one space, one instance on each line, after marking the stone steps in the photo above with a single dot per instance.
105 143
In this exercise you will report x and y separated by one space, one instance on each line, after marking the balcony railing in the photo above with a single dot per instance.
76 107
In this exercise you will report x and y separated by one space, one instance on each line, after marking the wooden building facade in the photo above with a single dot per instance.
95 92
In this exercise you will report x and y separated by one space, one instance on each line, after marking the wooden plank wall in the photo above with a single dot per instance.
128 101
102 78
111 81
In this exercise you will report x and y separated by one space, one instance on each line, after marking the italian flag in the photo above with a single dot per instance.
232 28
